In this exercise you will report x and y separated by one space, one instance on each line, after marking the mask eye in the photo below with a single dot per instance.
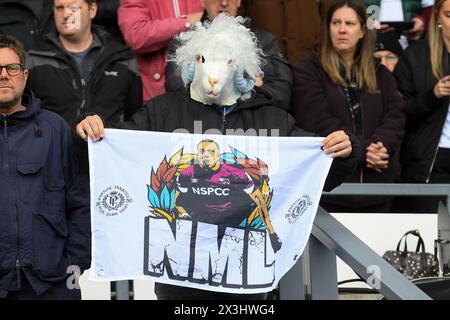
200 58
230 61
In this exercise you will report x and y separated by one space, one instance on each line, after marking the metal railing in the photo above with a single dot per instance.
315 275
122 290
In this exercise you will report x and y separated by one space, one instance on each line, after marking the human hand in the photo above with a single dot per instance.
381 27
337 144
259 81
442 87
417 31
194 17
377 157
91 126
241 83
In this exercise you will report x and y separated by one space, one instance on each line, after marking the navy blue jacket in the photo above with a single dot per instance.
44 221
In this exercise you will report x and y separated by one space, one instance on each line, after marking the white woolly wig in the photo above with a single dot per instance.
227 38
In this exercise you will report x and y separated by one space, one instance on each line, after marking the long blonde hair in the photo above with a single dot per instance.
436 41
363 66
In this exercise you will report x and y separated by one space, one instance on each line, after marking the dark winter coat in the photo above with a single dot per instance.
426 114
320 106
44 220
113 90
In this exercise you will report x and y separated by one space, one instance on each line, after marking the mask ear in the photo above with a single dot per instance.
189 75
242 84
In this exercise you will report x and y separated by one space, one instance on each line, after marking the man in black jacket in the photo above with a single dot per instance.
276 78
218 105
44 219
83 69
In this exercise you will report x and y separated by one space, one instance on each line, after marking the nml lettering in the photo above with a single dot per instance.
208 191
194 251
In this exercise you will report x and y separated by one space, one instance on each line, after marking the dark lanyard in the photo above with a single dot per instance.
352 94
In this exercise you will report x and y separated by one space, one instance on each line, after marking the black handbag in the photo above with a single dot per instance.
414 264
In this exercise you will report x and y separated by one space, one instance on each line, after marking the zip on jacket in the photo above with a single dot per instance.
107 55
430 170
352 116
18 266
5 128
5 137
224 121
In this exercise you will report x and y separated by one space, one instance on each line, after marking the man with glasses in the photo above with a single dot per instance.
83 69
44 219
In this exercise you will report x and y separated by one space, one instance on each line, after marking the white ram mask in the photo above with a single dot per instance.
220 60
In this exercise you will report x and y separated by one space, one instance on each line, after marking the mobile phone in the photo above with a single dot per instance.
399 26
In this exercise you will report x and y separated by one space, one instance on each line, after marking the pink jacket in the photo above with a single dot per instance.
148 26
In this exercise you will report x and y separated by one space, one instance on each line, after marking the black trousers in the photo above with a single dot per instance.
441 169
440 174
58 291
347 204
170 292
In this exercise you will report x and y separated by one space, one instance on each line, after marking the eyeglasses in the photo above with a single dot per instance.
388 58
13 69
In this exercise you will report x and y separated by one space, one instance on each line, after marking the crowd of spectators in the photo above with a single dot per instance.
377 70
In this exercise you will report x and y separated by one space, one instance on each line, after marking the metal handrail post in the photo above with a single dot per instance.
320 271
122 290
444 236
291 286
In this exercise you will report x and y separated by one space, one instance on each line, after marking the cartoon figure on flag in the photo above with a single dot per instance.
226 189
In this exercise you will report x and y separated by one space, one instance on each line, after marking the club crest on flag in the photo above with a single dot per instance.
113 200
298 208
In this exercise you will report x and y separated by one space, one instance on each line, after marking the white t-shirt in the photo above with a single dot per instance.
427 3
391 10
445 136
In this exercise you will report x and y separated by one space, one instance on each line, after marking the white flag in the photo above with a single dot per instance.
221 213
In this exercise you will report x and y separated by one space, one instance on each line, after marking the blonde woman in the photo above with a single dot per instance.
343 88
423 78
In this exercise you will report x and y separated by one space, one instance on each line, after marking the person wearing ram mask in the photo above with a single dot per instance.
220 98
